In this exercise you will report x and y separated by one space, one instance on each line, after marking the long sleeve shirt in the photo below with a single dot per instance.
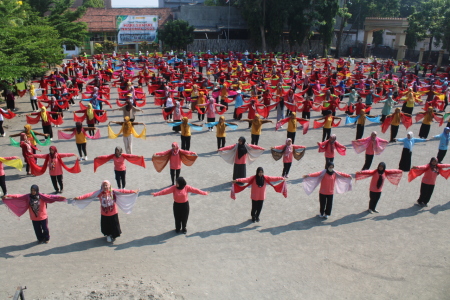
42 213
374 182
175 160
327 183
111 212
287 158
409 143
54 166
259 193
180 196
443 141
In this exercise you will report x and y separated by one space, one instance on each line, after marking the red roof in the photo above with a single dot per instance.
104 19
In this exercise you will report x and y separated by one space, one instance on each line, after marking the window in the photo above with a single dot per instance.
70 47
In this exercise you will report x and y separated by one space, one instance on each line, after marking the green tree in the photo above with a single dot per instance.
94 3
328 10
344 14
427 22
177 34
301 18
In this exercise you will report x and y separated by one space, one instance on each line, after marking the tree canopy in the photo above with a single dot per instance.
177 34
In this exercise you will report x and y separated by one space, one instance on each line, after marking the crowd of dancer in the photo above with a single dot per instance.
257 84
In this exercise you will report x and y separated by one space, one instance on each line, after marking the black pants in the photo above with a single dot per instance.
41 230
181 215
368 162
2 131
82 147
220 142
120 178
34 105
174 174
424 131
291 135
374 197
185 142
286 168
55 180
383 117
224 103
110 225
236 116
255 139
326 204
257 206
394 131
359 131
441 155
426 190
306 115
326 134
201 117
239 171
3 184
48 130
10 104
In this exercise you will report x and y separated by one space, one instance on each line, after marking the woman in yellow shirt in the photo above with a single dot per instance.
80 137
327 124
256 125
428 117
221 130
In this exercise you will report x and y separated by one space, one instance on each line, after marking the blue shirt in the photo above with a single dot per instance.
443 140
409 143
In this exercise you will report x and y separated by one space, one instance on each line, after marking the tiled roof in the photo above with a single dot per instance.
104 19
373 18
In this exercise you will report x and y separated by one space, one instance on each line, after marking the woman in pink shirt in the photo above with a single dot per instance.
288 151
376 184
330 146
109 200
55 165
430 173
176 156
258 183
120 168
36 204
180 202
211 108
372 145
329 180
27 151
238 154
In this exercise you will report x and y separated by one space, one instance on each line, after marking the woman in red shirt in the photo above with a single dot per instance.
181 202
27 150
288 151
36 204
329 147
376 184
258 183
430 173
109 199
329 180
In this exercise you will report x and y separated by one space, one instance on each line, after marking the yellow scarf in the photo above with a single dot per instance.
127 129
15 163
90 112
44 114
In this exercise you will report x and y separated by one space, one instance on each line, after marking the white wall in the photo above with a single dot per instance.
69 53
134 3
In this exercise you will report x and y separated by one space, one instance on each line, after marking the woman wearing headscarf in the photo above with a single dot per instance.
360 121
176 156
394 121
31 135
389 103
119 164
28 150
127 130
129 110
372 145
180 193
444 138
256 125
185 128
288 152
376 184
36 204
211 110
12 161
428 117
238 154
329 147
293 122
258 184
408 145
330 181
80 134
91 115
54 162
221 130
327 124
46 119
109 199
430 173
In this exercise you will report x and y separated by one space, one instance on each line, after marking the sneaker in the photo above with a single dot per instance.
85 158
108 239
257 219
370 211
418 203
51 139
82 158
424 204
326 216
184 230
376 211
320 216
287 176
45 242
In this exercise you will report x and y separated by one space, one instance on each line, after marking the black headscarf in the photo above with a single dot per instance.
241 150
380 179
434 168
78 126
181 183
34 200
326 168
259 179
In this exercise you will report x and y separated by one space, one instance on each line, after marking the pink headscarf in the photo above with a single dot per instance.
288 149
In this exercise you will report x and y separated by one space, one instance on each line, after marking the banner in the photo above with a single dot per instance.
136 29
